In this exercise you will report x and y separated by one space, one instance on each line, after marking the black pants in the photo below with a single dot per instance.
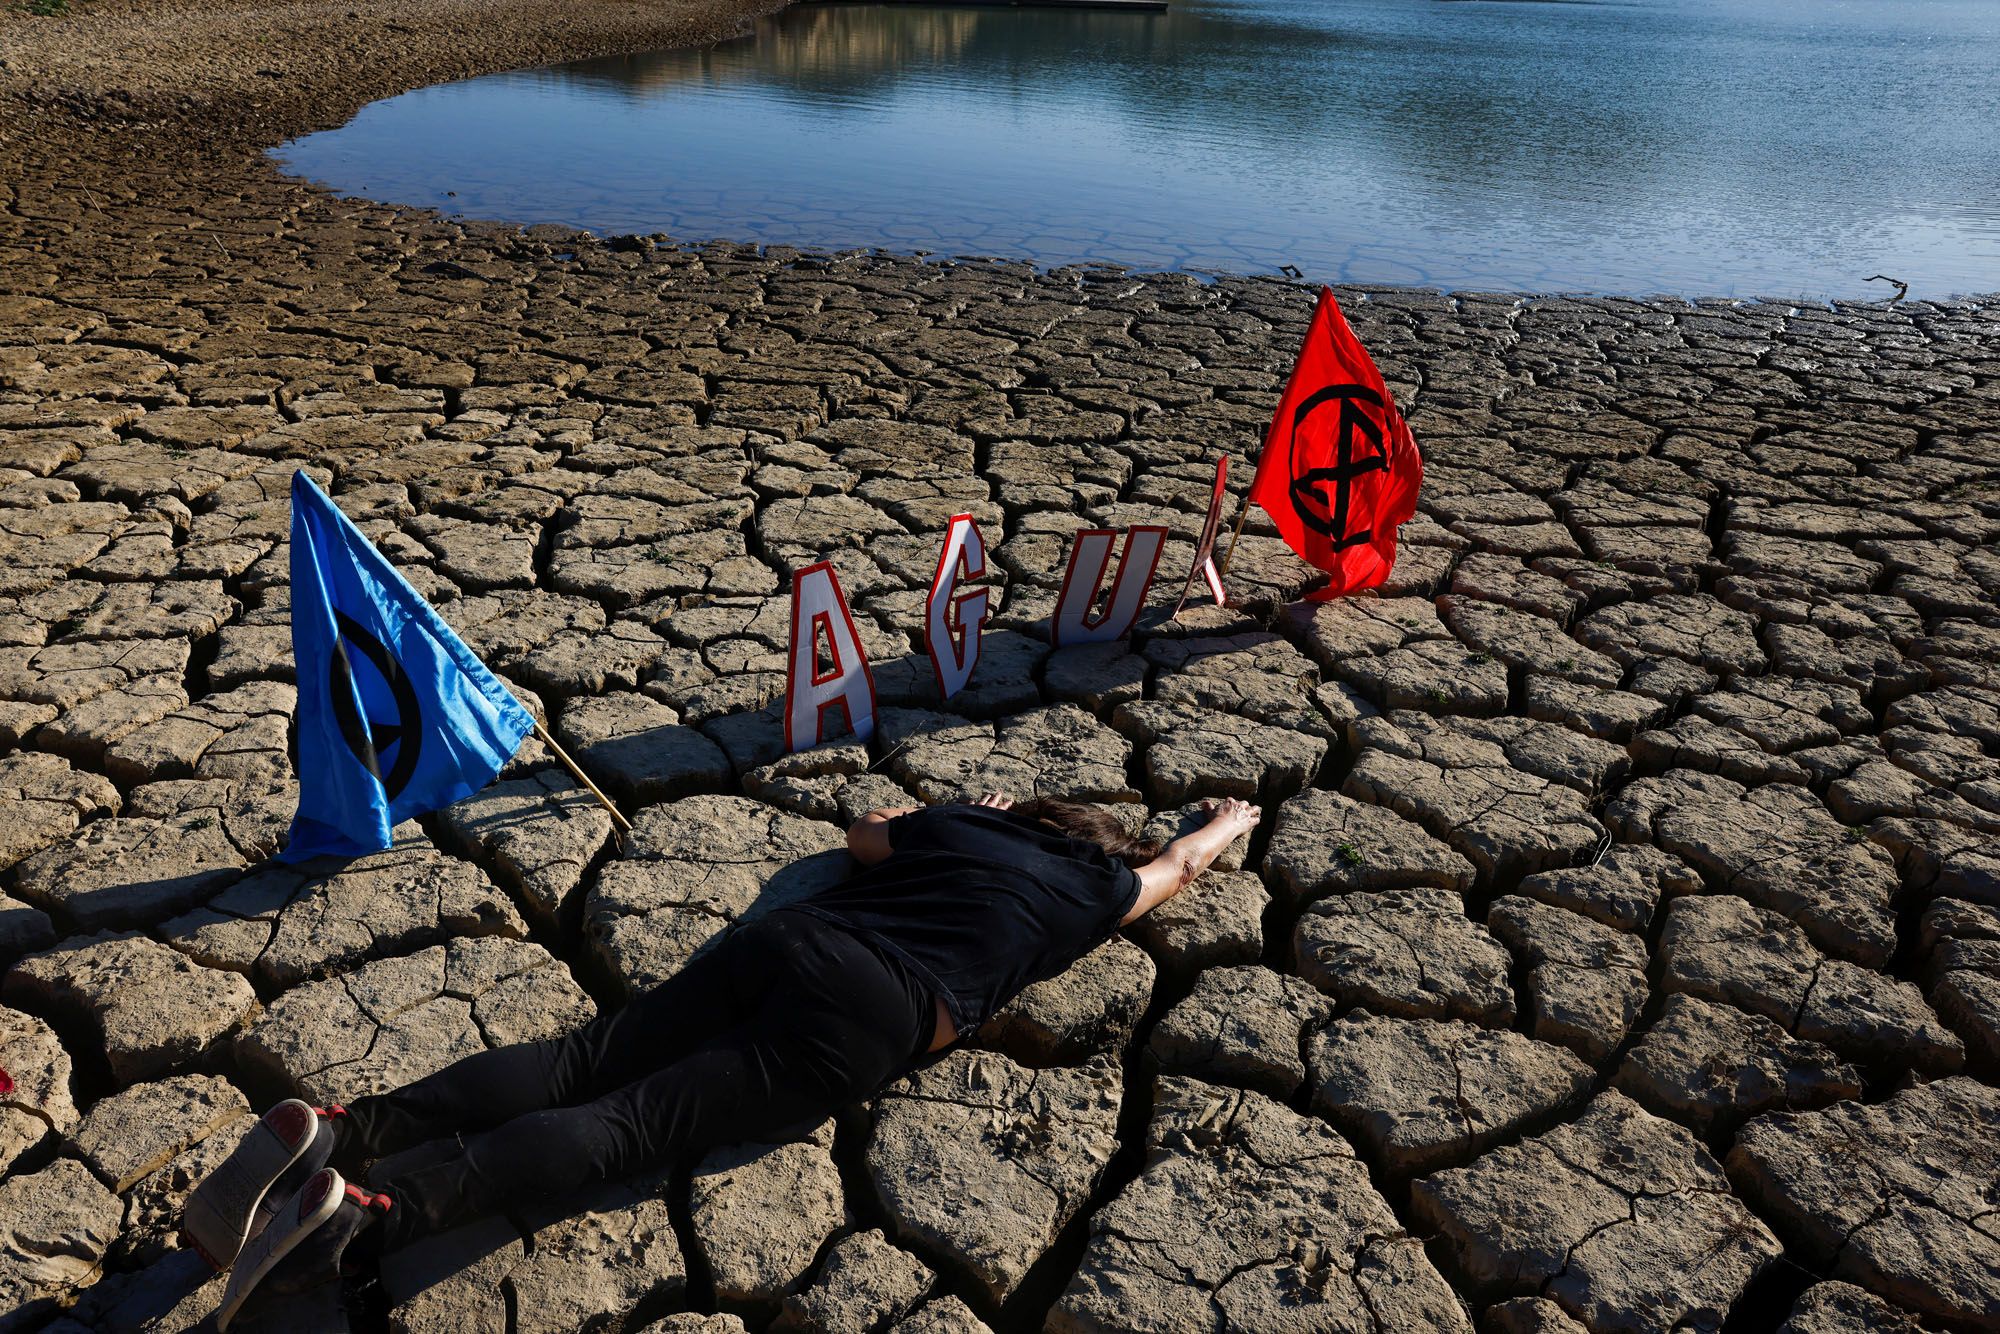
782 1022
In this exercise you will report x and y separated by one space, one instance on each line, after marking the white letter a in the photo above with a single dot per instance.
819 610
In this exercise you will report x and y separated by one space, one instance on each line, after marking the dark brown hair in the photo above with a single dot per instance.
1093 824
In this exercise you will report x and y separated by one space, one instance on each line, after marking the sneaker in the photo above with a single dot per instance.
238 1199
304 1245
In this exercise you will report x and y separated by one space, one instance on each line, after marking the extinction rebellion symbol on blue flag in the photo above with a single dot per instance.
367 737
396 715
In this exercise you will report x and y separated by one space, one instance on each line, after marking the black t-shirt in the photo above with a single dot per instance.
982 902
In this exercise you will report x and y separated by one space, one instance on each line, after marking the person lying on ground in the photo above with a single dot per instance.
784 1019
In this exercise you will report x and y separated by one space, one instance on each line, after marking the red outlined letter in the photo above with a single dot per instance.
1073 622
1204 550
847 684
953 621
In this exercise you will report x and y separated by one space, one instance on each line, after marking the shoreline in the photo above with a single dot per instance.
250 74
237 79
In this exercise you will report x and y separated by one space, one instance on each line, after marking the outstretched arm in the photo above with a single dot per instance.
1189 855
868 837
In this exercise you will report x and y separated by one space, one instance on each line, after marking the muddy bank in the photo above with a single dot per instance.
245 74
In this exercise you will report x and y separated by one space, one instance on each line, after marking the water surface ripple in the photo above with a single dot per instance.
1734 147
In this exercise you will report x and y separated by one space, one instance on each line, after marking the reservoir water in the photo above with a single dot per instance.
1786 148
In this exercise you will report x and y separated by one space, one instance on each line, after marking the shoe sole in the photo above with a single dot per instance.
275 1242
220 1216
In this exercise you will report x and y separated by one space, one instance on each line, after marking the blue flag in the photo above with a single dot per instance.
396 715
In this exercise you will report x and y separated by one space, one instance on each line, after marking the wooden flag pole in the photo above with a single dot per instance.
1242 513
583 778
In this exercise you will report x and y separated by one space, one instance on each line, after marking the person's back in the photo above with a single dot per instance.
786 1017
980 901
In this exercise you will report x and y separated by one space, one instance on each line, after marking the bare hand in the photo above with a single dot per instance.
995 800
1238 817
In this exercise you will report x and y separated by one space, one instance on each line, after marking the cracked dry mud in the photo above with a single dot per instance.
1619 950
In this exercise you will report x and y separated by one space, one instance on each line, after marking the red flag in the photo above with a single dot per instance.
1340 469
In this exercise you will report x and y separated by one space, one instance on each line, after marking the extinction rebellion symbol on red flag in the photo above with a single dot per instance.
1340 470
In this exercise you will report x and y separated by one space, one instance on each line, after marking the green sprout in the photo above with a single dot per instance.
1348 852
